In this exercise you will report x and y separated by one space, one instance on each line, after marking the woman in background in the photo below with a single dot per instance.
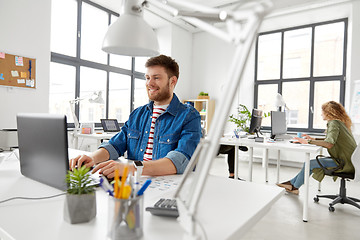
339 142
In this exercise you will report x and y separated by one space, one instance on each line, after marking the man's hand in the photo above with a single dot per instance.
90 160
108 168
80 161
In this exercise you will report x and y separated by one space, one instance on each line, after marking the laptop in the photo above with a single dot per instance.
110 125
43 148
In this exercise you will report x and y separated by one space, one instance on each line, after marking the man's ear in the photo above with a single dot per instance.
173 80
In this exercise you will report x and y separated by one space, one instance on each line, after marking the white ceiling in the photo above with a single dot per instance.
156 21
114 5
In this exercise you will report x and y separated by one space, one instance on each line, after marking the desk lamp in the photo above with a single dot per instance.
240 29
280 103
95 97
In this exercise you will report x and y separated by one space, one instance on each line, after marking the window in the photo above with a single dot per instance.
297 53
62 89
79 68
140 64
119 96
140 93
94 23
269 55
305 64
91 80
63 29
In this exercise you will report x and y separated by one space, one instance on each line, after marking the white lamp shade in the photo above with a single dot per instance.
97 98
130 35
279 101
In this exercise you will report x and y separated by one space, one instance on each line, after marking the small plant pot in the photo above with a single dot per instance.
79 208
203 97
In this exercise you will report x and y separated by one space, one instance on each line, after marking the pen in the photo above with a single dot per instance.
123 179
133 185
144 187
126 192
116 184
104 184
236 135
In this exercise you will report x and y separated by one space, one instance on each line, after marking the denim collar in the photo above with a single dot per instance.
172 108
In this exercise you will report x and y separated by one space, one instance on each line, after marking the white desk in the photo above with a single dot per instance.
43 219
279 145
97 136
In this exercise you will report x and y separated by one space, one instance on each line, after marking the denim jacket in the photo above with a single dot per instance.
177 133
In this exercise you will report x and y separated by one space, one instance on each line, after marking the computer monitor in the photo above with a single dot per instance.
255 123
278 124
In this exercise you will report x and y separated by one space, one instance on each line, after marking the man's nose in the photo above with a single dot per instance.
150 81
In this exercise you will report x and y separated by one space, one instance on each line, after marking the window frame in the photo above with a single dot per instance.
311 79
77 62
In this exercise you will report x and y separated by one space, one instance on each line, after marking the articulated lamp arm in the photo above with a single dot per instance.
241 30
95 97
76 121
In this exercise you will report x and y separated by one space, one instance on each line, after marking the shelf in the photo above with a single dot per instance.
208 106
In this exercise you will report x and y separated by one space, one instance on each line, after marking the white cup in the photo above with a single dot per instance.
2 157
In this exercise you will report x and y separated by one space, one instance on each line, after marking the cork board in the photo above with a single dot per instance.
17 71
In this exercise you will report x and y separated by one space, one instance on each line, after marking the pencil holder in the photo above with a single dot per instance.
125 218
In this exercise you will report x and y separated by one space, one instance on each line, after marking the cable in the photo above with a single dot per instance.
30 198
201 227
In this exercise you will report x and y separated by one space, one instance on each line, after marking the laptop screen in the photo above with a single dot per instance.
43 148
110 125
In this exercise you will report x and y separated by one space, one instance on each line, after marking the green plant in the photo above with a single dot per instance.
243 121
79 181
244 118
203 94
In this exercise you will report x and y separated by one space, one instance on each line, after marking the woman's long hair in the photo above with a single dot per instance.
335 111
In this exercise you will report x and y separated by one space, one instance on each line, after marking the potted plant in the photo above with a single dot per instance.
203 95
244 118
80 202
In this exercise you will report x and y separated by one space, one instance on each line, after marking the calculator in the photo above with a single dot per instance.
164 207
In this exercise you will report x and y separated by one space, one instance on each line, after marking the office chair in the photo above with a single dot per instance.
341 197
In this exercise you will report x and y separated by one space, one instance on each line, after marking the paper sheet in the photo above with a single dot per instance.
14 73
19 61
30 82
23 74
